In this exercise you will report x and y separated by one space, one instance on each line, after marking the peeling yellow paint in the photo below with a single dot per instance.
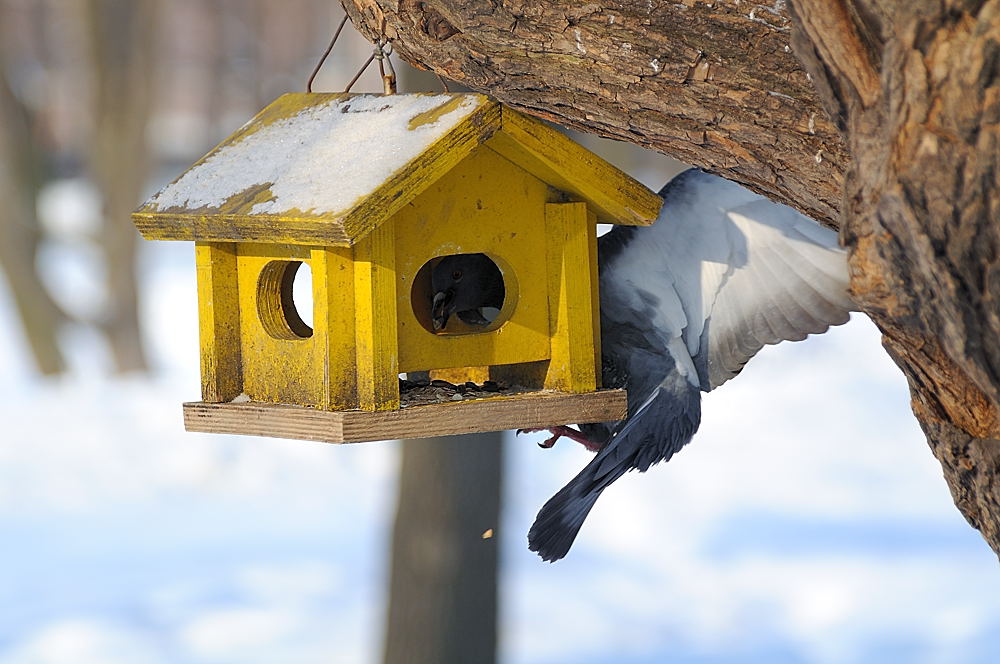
435 114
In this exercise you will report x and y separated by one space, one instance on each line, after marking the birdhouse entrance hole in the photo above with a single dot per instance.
481 319
281 283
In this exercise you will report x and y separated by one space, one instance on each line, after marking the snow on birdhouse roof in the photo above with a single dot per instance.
327 168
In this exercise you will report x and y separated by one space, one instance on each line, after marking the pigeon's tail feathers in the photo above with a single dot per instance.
663 423
558 522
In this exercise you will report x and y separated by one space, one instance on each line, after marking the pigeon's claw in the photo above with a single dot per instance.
563 432
550 441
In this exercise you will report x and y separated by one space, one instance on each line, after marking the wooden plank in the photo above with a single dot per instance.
459 375
376 349
218 321
535 409
569 237
527 374
563 163
240 228
333 297
595 299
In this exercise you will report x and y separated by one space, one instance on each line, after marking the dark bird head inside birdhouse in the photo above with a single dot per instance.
465 285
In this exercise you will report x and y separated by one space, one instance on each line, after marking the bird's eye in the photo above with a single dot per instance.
456 275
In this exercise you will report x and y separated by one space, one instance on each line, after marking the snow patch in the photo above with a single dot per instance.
321 160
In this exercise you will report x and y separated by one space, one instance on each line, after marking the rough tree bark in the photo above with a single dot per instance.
710 84
915 87
886 128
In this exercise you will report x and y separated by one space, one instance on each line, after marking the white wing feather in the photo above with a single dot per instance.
731 271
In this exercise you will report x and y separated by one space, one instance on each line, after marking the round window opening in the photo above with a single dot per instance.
283 291
461 294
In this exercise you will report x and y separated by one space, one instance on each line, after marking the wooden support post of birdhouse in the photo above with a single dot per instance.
572 285
333 302
219 321
377 360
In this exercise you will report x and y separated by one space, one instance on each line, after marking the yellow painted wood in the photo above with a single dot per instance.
283 368
595 298
530 375
566 165
484 205
460 375
377 360
235 228
218 321
333 278
570 236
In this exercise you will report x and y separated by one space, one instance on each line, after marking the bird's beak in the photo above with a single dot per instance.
441 308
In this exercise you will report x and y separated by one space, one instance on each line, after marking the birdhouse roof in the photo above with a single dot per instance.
328 168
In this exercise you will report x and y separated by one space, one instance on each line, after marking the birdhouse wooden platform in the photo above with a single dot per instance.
370 191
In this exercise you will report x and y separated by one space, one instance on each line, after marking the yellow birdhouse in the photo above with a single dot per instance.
371 191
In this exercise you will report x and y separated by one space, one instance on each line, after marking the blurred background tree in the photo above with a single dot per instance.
21 179
119 56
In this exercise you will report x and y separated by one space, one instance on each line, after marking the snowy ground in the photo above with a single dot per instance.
807 523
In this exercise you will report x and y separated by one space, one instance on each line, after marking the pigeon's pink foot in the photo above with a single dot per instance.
564 432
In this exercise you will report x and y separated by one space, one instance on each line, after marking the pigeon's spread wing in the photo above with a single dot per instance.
791 281
725 269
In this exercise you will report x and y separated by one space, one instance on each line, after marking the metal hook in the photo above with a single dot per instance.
384 63
380 53
326 54
383 49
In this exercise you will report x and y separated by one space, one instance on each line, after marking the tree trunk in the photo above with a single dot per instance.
916 86
705 84
886 128
20 236
443 590
120 37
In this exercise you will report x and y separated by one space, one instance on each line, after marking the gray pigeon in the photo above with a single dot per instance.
465 284
685 303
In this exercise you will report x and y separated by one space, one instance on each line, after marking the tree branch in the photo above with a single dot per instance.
712 84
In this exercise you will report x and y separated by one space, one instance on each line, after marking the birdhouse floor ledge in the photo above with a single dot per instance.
497 413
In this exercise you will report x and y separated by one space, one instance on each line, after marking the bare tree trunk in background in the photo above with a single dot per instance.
443 585
121 39
20 180
889 133
443 590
